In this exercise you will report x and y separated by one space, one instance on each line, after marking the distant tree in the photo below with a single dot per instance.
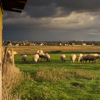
8 42
26 41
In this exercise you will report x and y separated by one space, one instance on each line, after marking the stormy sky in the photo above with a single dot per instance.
54 20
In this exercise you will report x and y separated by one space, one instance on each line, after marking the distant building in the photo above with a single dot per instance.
22 44
10 44
41 44
32 44
59 44
72 44
83 44
16 44
92 44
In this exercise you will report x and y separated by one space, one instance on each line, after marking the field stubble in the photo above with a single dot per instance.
33 49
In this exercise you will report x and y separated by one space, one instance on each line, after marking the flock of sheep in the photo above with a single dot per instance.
46 56
82 58
39 54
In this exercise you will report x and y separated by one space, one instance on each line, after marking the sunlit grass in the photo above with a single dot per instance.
60 81
56 75
56 80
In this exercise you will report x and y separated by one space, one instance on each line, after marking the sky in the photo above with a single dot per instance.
54 20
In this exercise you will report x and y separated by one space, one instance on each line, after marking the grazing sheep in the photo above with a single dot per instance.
84 58
25 58
79 57
47 57
90 57
63 58
73 57
35 58
39 51
93 57
42 55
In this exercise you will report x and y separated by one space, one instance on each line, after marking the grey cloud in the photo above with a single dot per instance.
57 8
50 8
54 20
41 11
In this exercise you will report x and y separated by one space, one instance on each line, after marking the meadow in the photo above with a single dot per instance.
55 80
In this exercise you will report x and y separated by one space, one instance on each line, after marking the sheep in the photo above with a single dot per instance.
93 57
73 57
84 58
35 58
39 51
79 57
42 55
25 58
63 58
47 57
90 57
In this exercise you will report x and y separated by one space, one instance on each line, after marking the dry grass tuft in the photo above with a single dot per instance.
11 78
55 75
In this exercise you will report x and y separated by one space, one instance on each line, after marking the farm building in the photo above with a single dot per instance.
83 44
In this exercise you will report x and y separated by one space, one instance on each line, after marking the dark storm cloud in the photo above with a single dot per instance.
58 8
51 8
54 20
41 11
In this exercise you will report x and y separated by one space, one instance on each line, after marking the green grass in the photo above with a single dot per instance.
59 81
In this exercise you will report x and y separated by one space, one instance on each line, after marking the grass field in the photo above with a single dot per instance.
56 80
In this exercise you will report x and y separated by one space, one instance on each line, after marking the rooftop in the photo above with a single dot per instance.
14 5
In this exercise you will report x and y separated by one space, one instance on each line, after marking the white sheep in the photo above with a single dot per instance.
63 58
25 58
35 58
47 56
73 57
93 57
90 57
79 57
39 51
84 58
